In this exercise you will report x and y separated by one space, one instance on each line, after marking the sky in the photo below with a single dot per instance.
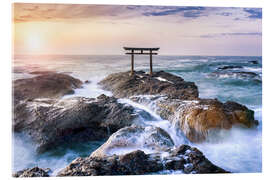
106 29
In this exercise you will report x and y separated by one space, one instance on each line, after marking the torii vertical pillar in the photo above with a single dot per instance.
132 62
151 65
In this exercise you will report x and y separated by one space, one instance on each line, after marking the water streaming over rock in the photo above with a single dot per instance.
236 150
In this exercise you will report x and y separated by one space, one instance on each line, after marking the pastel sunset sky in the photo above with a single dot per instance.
105 29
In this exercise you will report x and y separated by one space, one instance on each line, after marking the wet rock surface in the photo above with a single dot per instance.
229 67
196 117
254 62
125 85
184 158
152 138
51 122
48 85
32 172
42 72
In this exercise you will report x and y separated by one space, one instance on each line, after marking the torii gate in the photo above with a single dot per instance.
132 51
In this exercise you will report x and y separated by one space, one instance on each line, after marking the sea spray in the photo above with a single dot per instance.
25 156
89 90
228 149
239 150
156 120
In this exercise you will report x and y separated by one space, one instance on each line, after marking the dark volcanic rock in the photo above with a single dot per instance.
33 172
135 137
51 122
41 72
247 74
134 163
50 85
196 117
125 85
229 67
254 62
189 160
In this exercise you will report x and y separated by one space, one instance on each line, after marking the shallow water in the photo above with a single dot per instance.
237 150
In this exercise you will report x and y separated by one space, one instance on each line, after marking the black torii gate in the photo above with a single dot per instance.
132 51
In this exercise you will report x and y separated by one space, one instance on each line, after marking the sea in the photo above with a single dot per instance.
227 78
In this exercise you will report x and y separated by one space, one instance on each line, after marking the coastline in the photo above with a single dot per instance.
96 84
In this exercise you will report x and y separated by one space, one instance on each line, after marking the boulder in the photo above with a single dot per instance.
197 117
254 62
229 67
140 83
42 72
151 138
32 172
50 122
184 158
48 85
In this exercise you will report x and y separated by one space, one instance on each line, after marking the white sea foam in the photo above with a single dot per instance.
90 90
157 121
238 149
125 150
140 106
253 69
164 80
25 156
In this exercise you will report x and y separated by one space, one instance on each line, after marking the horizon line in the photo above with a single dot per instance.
52 54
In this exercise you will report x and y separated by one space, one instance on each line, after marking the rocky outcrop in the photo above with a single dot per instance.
48 85
184 158
125 85
254 62
33 172
42 72
178 102
135 137
229 67
197 117
50 122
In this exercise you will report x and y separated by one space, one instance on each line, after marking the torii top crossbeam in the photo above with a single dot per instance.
136 50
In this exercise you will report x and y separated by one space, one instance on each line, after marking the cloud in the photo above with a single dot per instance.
254 13
49 10
184 11
24 12
231 34
41 12
193 14
56 12
18 20
31 8
224 14
236 19
26 17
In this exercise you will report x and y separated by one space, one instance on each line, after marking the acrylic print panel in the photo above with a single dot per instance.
85 105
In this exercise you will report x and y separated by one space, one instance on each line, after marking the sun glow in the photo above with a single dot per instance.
31 38
34 42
